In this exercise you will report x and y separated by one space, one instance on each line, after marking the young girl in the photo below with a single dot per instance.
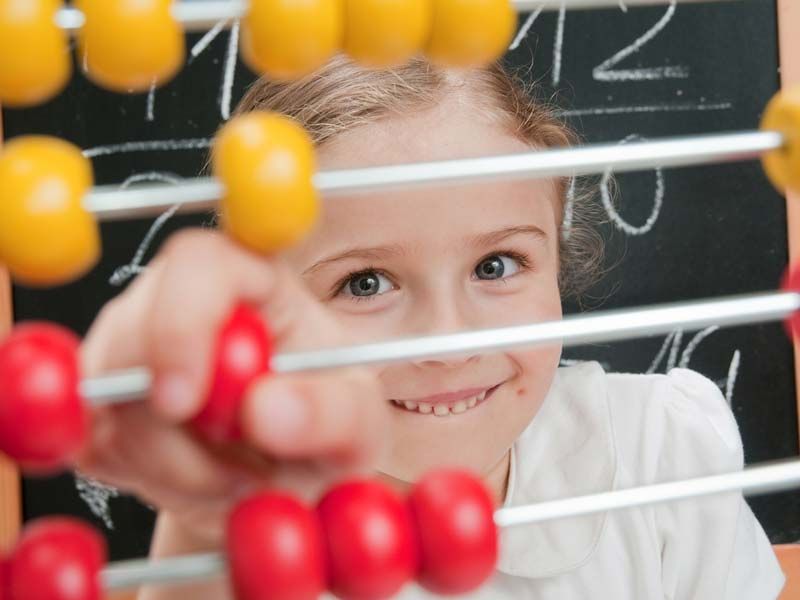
416 262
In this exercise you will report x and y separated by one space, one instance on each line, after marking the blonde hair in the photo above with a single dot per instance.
342 95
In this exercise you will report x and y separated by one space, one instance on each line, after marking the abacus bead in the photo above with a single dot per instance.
266 162
42 418
243 352
371 542
46 236
458 538
275 549
35 63
783 114
129 45
3 581
57 558
385 33
470 33
286 39
791 283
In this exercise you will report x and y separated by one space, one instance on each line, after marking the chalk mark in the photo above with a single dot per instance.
651 108
206 40
569 206
526 26
97 497
686 356
733 373
148 146
151 103
605 72
616 218
558 44
125 272
661 353
229 74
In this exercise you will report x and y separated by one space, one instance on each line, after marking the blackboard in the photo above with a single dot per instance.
619 74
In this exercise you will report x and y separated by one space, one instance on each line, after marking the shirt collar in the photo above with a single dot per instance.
567 450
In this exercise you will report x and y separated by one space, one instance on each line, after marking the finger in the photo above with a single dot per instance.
138 452
114 340
339 417
204 275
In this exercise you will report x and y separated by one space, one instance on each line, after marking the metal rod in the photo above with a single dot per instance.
200 194
753 480
199 16
620 324
133 573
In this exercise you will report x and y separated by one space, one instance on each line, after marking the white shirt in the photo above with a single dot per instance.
597 432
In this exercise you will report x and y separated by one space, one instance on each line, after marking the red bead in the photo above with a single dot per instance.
454 514
371 542
275 549
791 283
3 579
43 420
57 558
243 352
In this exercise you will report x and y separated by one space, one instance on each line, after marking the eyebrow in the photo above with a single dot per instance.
495 237
372 253
384 252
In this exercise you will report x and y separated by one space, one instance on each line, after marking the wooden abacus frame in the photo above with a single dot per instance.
789 555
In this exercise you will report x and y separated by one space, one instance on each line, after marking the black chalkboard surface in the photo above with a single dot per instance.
620 75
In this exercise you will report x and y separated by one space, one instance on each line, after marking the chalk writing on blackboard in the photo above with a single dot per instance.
148 146
523 31
558 44
125 272
604 71
97 497
647 108
616 218
149 113
231 57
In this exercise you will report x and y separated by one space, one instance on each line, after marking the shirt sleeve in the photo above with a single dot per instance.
712 547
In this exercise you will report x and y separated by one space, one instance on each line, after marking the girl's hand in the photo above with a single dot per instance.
301 429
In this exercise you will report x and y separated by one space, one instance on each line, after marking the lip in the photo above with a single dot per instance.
443 407
447 397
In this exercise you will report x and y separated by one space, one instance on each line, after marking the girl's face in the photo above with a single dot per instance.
433 260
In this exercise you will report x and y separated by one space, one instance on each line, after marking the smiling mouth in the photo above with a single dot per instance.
445 409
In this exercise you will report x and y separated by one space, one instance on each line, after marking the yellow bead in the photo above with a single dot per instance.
385 33
287 39
127 45
46 236
266 162
34 54
470 33
783 114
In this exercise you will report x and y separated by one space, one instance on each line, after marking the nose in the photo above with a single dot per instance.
444 313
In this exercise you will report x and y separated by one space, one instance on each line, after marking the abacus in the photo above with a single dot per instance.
425 514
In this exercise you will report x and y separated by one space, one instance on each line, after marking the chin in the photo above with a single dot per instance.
475 440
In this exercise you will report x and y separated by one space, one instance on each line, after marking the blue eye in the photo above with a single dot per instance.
366 284
497 267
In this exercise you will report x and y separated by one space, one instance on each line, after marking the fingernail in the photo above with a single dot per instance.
279 416
174 395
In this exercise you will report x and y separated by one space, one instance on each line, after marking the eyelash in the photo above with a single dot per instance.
522 260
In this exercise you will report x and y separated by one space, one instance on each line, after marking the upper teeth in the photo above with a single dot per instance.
442 409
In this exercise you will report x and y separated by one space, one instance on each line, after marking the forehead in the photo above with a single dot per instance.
453 128
430 217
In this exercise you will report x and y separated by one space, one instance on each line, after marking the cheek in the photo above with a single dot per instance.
539 301
536 368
